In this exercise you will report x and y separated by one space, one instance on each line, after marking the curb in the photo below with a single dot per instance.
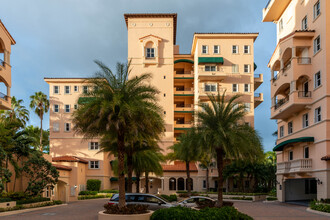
28 210
237 200
318 212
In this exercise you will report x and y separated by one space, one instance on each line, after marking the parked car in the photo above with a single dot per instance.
154 202
192 202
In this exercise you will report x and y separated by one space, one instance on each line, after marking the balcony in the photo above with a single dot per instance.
183 125
294 166
182 108
258 80
5 102
258 99
274 9
295 102
178 91
183 74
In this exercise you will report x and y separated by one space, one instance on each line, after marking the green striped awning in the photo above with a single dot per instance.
184 61
281 145
210 60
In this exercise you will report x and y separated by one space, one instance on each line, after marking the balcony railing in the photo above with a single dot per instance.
183 72
2 63
287 66
183 89
304 94
257 75
304 60
294 166
3 96
281 102
257 95
183 105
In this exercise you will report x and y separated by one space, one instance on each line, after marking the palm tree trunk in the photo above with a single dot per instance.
129 171
188 179
207 179
41 117
220 157
147 181
138 182
121 170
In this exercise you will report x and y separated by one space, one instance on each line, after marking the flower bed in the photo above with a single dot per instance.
319 206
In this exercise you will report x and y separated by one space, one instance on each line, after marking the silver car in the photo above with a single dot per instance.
192 201
153 202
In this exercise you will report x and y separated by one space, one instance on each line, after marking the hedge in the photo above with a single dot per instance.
271 198
93 197
240 198
109 191
183 213
170 198
18 207
87 193
93 185
32 200
322 207
5 200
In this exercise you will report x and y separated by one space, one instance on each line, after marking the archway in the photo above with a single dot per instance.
180 183
172 184
61 191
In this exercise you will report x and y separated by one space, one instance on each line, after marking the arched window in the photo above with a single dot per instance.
172 184
180 183
191 182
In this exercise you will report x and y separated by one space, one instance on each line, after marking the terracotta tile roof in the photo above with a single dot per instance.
69 159
179 167
327 157
155 15
62 167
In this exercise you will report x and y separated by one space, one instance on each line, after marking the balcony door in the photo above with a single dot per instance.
305 89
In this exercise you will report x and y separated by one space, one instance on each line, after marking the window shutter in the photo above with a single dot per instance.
89 145
203 84
249 87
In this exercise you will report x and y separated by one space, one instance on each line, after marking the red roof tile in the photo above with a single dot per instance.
179 167
327 157
69 159
62 167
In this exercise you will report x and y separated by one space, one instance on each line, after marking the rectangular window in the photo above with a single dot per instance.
235 49
67 108
210 88
246 49
67 127
94 145
317 117
204 184
150 53
290 127
94 165
56 127
67 89
317 44
205 49
305 120
216 49
304 25
56 108
76 88
85 89
56 90
246 87
306 152
235 87
76 106
281 131
247 68
235 68
317 9
291 155
317 79
210 68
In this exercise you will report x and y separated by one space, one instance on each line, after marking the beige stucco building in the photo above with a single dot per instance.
218 62
300 97
6 40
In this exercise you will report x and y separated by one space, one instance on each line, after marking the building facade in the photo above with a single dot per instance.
300 97
218 62
6 41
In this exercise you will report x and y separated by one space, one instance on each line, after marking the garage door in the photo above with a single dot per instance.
300 189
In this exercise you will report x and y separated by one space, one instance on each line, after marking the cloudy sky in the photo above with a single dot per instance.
61 38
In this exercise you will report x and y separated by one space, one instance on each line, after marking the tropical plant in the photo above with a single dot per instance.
206 161
34 132
188 150
17 112
221 123
122 107
40 103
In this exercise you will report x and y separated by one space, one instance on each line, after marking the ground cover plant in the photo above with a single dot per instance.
19 207
319 206
126 210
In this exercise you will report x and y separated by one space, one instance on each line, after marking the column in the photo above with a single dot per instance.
272 73
293 52
281 64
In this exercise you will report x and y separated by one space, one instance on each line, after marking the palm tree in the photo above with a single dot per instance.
17 112
188 150
222 126
206 161
34 132
40 103
123 108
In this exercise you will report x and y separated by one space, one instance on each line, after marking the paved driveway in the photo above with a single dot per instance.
88 209
276 210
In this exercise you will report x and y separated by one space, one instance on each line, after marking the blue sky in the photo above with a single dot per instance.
61 38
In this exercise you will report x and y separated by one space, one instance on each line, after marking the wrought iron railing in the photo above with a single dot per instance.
3 96
281 102
304 94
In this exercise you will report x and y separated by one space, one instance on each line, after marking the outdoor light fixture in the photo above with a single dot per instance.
277 182
319 181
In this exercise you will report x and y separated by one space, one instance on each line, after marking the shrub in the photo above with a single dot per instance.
244 194
93 197
183 213
241 198
170 198
87 193
93 185
271 198
5 200
211 204
322 207
325 200
127 210
17 195
32 200
109 191
18 207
